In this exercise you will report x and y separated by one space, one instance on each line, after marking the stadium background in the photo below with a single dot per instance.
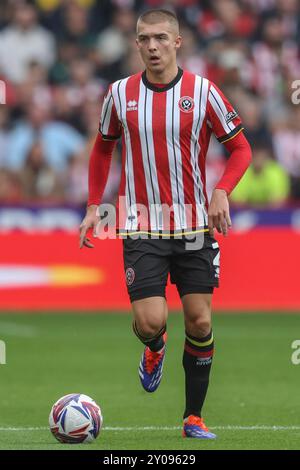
56 60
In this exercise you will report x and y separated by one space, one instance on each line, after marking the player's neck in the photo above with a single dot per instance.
163 77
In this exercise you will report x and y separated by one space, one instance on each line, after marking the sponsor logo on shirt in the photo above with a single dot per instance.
132 105
230 116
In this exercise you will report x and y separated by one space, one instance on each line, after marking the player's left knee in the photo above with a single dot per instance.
200 327
198 323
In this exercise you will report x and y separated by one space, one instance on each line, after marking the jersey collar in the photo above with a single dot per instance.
164 88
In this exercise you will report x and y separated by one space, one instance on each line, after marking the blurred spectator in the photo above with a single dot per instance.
265 183
76 26
76 176
90 117
83 90
36 86
236 69
4 12
131 64
83 86
66 52
48 5
59 140
10 188
8 92
76 191
288 12
39 181
112 43
189 56
226 18
261 5
286 140
4 134
274 53
24 41
236 19
251 111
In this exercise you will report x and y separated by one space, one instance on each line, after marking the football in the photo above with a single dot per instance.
75 418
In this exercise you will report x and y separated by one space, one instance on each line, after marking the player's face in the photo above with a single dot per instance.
158 44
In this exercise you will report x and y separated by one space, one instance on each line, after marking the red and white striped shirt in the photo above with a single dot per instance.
165 136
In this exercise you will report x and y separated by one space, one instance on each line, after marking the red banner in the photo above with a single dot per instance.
259 270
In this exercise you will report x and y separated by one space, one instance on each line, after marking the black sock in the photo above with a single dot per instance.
155 343
197 360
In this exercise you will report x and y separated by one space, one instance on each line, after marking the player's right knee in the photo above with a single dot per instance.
149 328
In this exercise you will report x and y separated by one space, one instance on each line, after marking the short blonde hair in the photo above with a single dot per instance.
157 16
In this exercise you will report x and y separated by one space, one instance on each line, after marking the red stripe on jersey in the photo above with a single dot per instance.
161 153
186 125
204 139
214 120
122 188
132 95
114 129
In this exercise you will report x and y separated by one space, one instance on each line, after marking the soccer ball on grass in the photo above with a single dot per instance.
75 418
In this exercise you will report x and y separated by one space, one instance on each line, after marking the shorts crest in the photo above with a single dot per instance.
130 276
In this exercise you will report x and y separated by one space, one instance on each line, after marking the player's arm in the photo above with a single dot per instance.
227 127
100 161
237 164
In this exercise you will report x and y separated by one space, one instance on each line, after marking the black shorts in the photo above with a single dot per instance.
193 266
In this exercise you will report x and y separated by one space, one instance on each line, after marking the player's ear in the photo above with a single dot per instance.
178 42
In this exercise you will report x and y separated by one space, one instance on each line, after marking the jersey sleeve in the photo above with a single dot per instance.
110 126
221 116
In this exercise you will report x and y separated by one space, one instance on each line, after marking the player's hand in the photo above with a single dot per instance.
90 221
218 213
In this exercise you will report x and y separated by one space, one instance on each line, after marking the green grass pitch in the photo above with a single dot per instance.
253 400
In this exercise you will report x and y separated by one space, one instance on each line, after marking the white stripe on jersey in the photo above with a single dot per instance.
220 109
148 154
174 154
176 130
169 119
200 99
106 114
119 91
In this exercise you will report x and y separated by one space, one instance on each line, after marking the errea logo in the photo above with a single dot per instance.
132 105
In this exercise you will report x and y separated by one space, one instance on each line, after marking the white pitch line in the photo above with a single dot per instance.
23 429
170 428
225 428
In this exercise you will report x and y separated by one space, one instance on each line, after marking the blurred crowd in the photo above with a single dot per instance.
58 57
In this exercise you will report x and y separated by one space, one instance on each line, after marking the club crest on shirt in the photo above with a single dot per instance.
186 104
130 275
